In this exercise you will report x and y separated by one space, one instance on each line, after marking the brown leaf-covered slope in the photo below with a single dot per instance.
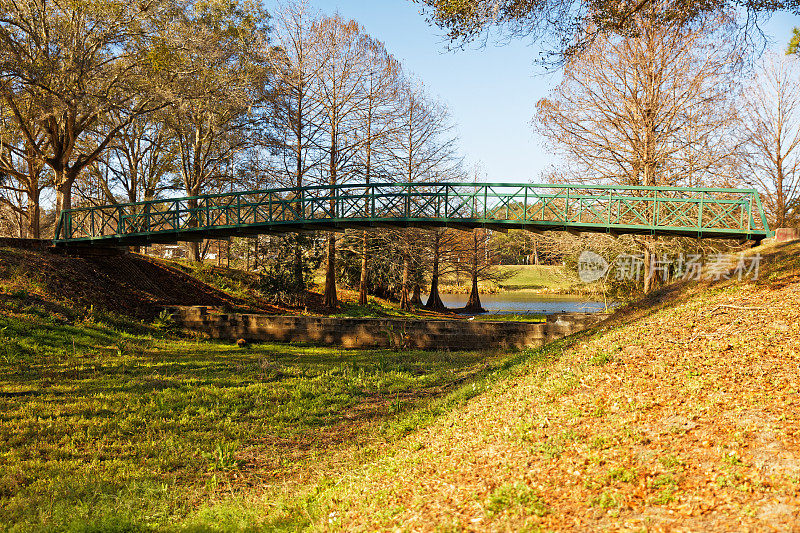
126 284
684 416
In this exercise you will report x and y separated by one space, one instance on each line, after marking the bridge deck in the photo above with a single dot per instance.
691 212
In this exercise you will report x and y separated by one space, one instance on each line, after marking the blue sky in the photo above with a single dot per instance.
491 91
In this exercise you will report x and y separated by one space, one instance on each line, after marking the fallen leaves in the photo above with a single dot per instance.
698 400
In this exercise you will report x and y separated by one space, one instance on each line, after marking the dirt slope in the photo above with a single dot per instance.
684 416
126 284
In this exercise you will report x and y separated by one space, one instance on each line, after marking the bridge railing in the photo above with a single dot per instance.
691 211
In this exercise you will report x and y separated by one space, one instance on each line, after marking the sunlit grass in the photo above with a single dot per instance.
536 277
102 426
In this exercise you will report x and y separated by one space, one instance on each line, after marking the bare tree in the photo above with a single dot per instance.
136 167
772 130
442 247
651 109
340 90
646 110
477 258
297 60
423 150
378 122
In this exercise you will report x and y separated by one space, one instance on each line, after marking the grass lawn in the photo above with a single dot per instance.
536 277
497 317
680 414
126 431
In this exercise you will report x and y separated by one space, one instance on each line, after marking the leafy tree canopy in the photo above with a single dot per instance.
568 26
794 43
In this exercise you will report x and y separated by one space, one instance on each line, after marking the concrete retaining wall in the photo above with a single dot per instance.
382 332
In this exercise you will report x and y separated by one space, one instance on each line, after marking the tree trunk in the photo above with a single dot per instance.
362 283
193 250
474 301
434 300
405 301
331 301
63 193
192 247
298 265
255 254
650 273
34 214
416 298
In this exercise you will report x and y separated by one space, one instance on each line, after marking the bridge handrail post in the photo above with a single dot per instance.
92 221
764 222
120 222
525 205
65 225
59 226
302 204
269 207
176 207
700 211
656 206
745 211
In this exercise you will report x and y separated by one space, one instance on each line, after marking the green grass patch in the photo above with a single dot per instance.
133 431
606 500
529 317
373 309
667 486
515 498
536 277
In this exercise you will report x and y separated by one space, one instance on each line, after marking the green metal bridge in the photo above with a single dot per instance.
689 212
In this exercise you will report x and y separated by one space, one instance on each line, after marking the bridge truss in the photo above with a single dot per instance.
690 212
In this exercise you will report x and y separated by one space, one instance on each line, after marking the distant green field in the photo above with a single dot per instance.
535 277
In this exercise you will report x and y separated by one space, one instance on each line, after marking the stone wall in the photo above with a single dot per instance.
382 332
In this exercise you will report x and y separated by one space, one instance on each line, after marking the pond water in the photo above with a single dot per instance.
523 302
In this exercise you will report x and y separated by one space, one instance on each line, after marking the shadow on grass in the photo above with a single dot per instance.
97 421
